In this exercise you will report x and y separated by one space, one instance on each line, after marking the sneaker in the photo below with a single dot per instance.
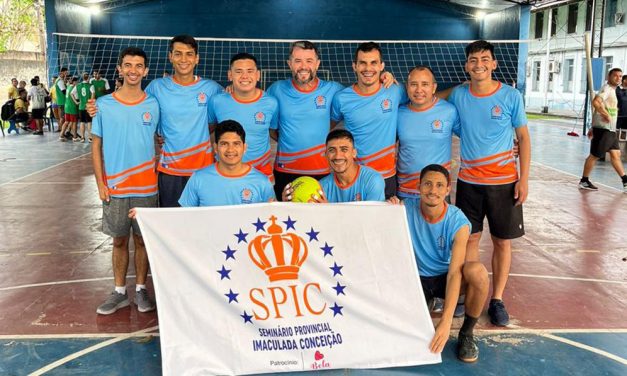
114 302
62 139
497 312
76 139
143 301
438 305
587 185
467 349
625 187
460 310
39 133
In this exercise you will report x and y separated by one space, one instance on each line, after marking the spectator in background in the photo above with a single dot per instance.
13 89
621 95
101 85
118 83
37 98
21 108
21 85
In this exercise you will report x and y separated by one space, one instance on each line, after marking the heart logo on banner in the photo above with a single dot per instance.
319 355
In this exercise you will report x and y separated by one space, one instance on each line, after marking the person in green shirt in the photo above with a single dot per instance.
101 85
83 92
71 109
60 91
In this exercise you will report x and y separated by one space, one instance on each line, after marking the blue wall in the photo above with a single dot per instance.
292 19
501 25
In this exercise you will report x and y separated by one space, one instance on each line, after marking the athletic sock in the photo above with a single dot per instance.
120 289
139 287
468 325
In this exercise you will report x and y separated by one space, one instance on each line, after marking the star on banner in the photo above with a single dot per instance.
259 225
327 250
247 318
337 309
230 253
233 296
337 269
224 273
241 236
289 223
339 289
313 235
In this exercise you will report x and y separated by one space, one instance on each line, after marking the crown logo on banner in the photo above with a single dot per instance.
280 254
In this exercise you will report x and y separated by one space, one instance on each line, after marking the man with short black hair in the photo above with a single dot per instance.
37 99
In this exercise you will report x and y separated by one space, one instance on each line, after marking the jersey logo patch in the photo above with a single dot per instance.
260 118
441 243
386 105
497 112
436 126
147 118
321 102
247 196
202 99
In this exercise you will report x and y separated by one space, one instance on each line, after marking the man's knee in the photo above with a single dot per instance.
475 274
120 242
501 244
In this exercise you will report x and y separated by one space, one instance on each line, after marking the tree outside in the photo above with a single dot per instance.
22 25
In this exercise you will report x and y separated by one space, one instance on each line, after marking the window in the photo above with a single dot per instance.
609 60
535 83
584 77
550 83
554 21
589 16
573 10
610 12
539 24
568 73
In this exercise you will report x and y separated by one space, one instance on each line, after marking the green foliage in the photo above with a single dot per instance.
18 21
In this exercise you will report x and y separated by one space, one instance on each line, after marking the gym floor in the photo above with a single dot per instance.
566 292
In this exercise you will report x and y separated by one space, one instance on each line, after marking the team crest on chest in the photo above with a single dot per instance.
441 243
386 105
321 102
260 118
147 118
497 112
247 196
436 126
202 99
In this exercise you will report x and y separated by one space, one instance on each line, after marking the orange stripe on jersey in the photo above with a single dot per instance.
264 164
139 167
141 182
492 170
309 161
383 161
408 183
185 162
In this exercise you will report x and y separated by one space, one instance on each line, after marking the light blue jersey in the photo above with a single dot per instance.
208 187
367 186
127 131
425 137
257 117
372 121
433 242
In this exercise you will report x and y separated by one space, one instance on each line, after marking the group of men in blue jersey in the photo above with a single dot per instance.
356 162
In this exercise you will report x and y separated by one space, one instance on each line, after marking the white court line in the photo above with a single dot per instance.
7 337
567 278
42 170
90 349
576 176
61 282
585 347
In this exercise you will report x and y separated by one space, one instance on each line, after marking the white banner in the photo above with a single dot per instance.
286 287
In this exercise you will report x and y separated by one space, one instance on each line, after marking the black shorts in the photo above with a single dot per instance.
83 116
603 141
38 113
281 179
391 185
434 287
170 189
494 201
